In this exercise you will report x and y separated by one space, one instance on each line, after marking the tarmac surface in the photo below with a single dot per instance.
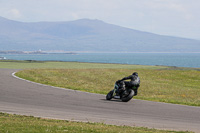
18 96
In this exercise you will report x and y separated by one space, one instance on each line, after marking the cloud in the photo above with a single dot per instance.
15 13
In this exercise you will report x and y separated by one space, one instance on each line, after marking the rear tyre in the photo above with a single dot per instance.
128 97
109 95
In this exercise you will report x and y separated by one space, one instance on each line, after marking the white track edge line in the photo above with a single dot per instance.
13 74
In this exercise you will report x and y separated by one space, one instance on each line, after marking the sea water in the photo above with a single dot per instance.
165 59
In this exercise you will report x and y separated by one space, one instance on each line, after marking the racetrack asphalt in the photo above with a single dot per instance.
21 97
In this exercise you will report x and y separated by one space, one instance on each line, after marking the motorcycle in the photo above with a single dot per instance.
125 93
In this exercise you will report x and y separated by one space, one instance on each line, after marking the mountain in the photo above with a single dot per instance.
87 35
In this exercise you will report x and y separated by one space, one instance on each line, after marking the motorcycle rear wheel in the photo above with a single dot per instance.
128 97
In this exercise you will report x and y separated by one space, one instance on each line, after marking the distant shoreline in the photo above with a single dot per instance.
91 52
165 59
35 52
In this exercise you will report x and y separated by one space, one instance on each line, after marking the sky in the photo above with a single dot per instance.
178 18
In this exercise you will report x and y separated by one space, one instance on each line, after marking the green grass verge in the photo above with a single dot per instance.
28 124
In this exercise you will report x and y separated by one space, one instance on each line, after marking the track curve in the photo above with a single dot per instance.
21 97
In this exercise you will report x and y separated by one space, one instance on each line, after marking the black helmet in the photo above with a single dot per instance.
135 73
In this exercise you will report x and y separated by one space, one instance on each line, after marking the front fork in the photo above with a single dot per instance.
114 90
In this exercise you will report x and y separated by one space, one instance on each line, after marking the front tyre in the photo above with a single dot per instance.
109 95
128 95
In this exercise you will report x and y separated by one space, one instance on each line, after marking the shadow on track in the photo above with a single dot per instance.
112 100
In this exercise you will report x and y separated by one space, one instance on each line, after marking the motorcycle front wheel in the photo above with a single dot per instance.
109 95
127 95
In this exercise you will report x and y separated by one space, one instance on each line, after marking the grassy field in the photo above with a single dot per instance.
27 124
13 64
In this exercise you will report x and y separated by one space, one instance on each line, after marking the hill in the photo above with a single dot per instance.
87 35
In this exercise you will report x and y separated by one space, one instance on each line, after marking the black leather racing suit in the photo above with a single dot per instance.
135 82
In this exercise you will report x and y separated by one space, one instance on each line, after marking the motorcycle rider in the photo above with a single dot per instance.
134 83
